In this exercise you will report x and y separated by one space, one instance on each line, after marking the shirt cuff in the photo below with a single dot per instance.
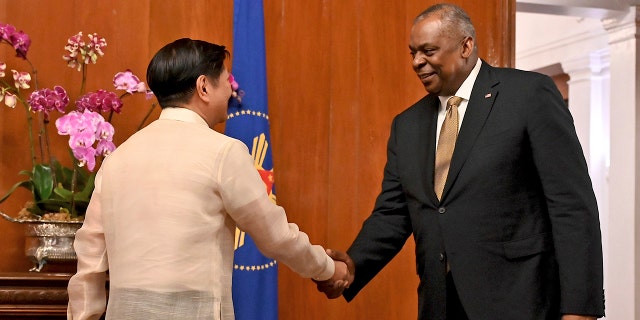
328 272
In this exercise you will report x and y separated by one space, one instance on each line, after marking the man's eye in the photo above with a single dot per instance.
429 52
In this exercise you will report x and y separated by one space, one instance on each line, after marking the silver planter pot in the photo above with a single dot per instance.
48 241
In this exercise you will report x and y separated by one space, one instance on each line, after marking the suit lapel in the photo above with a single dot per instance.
425 149
483 95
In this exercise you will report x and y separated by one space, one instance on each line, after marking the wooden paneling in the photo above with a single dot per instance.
562 82
337 70
335 83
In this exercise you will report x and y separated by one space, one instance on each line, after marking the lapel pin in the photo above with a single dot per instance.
488 95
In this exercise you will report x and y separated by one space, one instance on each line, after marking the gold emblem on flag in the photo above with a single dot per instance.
259 153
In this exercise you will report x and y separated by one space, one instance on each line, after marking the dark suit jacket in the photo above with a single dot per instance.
518 220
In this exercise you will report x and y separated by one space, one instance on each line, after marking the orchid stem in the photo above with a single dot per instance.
84 78
74 178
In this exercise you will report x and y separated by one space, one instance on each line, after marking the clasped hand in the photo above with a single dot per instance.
342 277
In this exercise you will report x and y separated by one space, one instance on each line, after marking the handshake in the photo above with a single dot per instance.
342 276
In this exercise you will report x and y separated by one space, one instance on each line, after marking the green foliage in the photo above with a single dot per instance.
56 188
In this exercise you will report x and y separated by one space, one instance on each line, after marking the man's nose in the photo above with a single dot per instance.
419 60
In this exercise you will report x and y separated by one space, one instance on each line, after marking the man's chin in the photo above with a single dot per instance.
431 89
432 85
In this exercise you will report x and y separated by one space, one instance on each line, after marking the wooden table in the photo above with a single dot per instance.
33 295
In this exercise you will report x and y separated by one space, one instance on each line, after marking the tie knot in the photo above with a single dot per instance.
453 101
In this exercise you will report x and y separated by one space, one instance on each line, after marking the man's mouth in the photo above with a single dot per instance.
426 76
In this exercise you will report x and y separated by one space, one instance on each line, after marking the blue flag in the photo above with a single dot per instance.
255 277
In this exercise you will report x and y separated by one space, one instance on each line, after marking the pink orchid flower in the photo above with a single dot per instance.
21 79
94 48
9 99
104 131
84 129
129 82
67 124
105 147
21 43
234 84
99 101
18 39
46 100
81 52
86 157
82 138
74 43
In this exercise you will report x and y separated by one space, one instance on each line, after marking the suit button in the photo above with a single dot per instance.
441 257
442 210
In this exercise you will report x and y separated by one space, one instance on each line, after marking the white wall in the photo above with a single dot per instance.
594 41
543 39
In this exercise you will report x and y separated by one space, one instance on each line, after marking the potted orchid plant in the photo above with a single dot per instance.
63 192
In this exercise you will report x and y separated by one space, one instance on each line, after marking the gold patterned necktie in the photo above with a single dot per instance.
446 144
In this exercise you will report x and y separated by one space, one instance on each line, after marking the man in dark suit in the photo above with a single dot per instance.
513 233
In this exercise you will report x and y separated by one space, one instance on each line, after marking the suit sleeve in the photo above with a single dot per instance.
571 202
386 230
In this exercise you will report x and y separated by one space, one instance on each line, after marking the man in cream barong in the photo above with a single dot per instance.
167 202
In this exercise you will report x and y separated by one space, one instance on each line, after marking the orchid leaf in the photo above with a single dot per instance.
26 173
63 174
86 192
42 181
26 184
63 193
55 205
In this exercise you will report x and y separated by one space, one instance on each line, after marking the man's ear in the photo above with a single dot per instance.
201 87
467 47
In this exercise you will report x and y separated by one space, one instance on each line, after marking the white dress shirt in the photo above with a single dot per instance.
162 221
463 92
